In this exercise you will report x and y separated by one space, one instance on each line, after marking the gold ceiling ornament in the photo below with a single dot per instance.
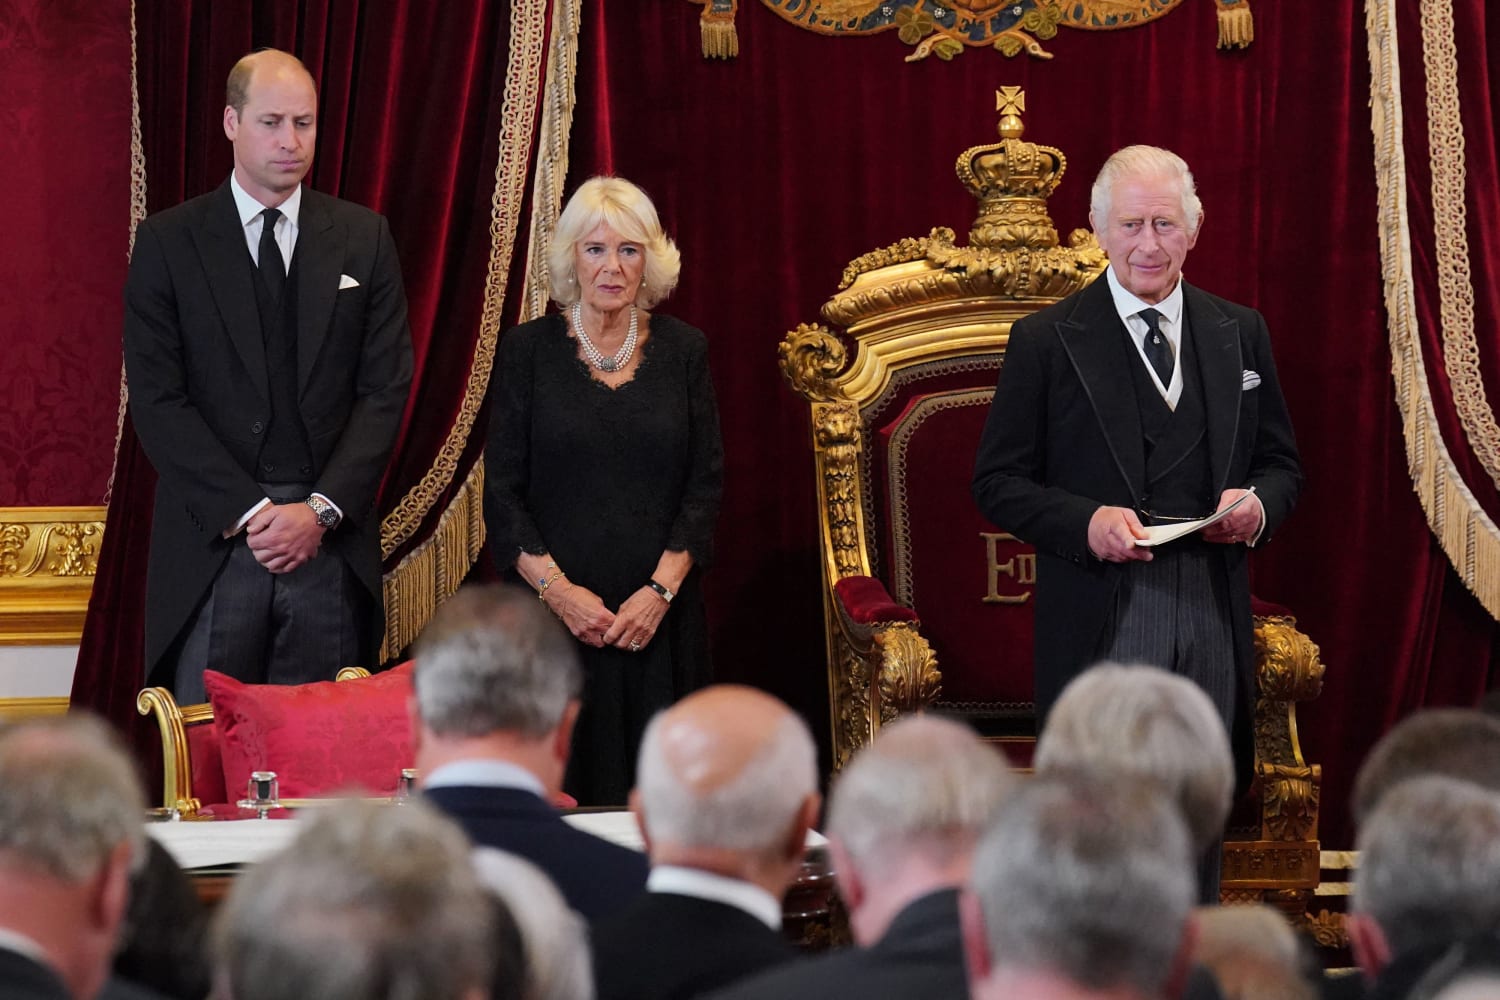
946 28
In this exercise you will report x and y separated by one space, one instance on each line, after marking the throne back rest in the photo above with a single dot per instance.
968 581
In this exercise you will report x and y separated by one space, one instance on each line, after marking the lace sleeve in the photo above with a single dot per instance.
507 456
693 530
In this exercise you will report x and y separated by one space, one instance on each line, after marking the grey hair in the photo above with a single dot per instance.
926 784
751 812
69 797
1429 863
494 659
1088 878
555 938
369 902
629 212
1456 743
1142 721
1145 161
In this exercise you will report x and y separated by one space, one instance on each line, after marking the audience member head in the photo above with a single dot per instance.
71 814
1083 885
1253 953
1429 870
1144 722
495 675
727 782
1458 743
164 944
905 814
369 902
627 210
554 938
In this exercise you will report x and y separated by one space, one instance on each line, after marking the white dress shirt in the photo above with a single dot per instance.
700 884
1129 307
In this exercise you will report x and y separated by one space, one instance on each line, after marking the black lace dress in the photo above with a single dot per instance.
606 480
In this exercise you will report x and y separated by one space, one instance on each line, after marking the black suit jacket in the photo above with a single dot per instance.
596 877
1063 437
671 947
920 956
199 396
23 979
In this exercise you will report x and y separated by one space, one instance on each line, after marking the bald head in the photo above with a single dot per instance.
271 62
726 767
271 117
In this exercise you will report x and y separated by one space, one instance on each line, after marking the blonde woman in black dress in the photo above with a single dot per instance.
603 472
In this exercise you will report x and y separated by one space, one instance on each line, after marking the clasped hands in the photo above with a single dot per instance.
593 624
284 536
1114 530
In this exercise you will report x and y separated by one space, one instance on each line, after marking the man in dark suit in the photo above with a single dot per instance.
268 361
903 820
1136 402
70 831
726 790
496 682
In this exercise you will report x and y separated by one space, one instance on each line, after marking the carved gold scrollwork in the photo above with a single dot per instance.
836 439
1328 929
909 677
851 703
811 360
12 539
1288 661
903 250
1289 798
1021 269
48 558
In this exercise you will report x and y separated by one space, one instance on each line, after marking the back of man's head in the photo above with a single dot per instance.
1429 869
926 786
71 814
726 768
369 902
1458 743
1083 879
1143 722
493 659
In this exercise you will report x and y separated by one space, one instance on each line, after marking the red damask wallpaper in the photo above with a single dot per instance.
64 231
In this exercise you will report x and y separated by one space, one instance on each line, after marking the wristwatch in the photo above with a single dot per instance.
328 515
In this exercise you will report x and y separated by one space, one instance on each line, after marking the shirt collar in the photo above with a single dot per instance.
484 774
1128 305
700 884
249 208
22 945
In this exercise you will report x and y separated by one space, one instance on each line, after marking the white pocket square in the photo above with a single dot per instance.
1249 379
347 282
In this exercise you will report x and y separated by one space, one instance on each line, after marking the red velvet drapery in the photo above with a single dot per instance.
775 169
410 97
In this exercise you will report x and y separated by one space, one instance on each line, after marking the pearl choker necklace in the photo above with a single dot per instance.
620 358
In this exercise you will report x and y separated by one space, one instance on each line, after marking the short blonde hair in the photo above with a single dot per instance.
630 213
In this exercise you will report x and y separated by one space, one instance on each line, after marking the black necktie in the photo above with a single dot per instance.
1158 348
272 267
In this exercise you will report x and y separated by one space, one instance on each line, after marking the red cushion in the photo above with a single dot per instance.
320 738
207 762
866 602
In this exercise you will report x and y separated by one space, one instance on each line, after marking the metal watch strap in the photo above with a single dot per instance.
328 516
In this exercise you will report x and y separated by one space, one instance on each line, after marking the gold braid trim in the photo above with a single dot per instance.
1445 132
528 31
552 155
432 571
1467 534
137 213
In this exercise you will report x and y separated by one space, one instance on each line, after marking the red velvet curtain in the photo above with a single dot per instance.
410 97
775 169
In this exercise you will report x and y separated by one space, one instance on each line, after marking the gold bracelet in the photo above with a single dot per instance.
541 594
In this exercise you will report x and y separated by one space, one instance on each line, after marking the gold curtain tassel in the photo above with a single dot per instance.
1236 24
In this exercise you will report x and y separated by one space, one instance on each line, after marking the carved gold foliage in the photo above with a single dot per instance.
1273 732
909 677
57 550
904 250
851 702
1025 266
811 360
1327 928
1289 802
836 438
1288 662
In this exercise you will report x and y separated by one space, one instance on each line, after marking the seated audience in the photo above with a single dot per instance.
1456 743
496 683
1253 953
554 938
369 902
726 791
1428 878
165 939
1143 722
903 819
71 809
1082 888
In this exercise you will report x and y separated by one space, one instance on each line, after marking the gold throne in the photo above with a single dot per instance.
928 606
